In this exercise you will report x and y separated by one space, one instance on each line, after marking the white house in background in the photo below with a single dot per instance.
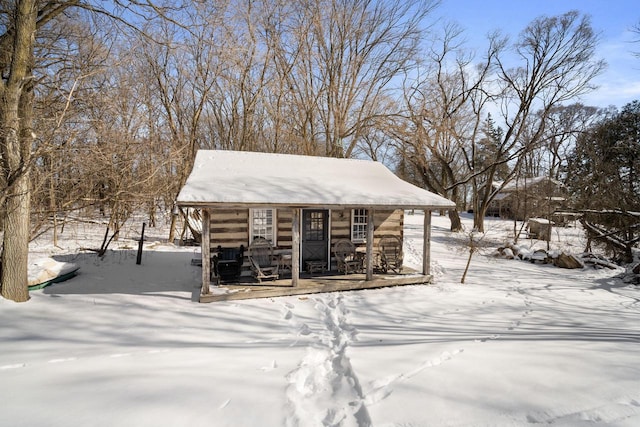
302 205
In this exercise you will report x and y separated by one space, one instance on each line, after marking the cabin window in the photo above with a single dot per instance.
314 226
263 224
359 225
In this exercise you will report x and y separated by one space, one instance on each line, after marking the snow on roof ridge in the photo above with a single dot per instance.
307 156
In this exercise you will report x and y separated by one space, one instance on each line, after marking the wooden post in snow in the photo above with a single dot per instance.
205 246
140 243
369 256
295 247
426 244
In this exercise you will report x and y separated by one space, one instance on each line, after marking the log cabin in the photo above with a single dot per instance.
302 205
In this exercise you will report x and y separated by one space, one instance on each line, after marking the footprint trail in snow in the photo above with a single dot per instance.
324 390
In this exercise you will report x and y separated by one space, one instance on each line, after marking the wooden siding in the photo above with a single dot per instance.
386 222
230 228
340 225
284 228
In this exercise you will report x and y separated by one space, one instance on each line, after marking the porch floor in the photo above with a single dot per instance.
329 282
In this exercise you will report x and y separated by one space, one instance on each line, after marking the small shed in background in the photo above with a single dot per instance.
540 228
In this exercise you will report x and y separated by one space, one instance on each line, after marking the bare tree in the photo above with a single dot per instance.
563 125
443 108
101 157
20 21
22 24
361 46
636 30
450 142
180 73
75 55
558 65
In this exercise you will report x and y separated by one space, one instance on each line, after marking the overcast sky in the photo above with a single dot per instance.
613 19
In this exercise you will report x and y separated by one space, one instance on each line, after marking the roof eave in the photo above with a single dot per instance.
238 205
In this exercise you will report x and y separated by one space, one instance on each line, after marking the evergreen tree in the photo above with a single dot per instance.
604 178
488 149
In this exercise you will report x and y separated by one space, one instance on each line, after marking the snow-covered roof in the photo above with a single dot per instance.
266 179
521 184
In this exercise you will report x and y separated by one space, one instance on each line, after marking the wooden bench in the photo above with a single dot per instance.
316 266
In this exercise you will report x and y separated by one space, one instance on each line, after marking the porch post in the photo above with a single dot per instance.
369 255
426 245
295 247
205 249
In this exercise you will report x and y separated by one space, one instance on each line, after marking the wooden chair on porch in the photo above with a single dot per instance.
264 264
348 259
391 255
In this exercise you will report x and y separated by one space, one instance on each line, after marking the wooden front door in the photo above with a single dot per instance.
315 235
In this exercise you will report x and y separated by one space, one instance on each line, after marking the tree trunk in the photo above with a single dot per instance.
478 218
466 268
16 242
16 137
454 217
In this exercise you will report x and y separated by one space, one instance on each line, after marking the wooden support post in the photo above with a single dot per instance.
369 256
426 245
140 243
295 246
205 246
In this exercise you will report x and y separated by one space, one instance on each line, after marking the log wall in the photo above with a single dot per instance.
230 227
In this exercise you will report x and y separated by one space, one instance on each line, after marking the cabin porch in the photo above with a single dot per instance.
311 284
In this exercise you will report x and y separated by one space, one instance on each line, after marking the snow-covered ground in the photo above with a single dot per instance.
519 343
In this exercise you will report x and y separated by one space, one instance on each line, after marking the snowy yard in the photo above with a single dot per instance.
519 343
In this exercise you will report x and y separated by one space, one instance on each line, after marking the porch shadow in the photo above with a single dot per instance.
165 274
